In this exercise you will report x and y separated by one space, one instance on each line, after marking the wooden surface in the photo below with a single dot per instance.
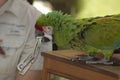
59 63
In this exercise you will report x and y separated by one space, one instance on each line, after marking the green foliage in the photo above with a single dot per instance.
94 8
55 78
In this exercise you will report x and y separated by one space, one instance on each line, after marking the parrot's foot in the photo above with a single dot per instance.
97 55
116 59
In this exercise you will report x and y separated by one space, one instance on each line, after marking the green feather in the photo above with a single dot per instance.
101 33
63 25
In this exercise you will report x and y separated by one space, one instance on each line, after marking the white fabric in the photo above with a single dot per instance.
17 20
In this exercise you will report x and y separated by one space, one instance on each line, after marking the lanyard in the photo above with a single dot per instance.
26 63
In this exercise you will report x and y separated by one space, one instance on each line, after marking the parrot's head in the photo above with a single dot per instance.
64 28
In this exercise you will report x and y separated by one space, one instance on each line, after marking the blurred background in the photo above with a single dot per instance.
79 8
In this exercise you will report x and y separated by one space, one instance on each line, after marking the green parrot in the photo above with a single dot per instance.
93 35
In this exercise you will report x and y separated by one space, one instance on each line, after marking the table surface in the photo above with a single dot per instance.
66 55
